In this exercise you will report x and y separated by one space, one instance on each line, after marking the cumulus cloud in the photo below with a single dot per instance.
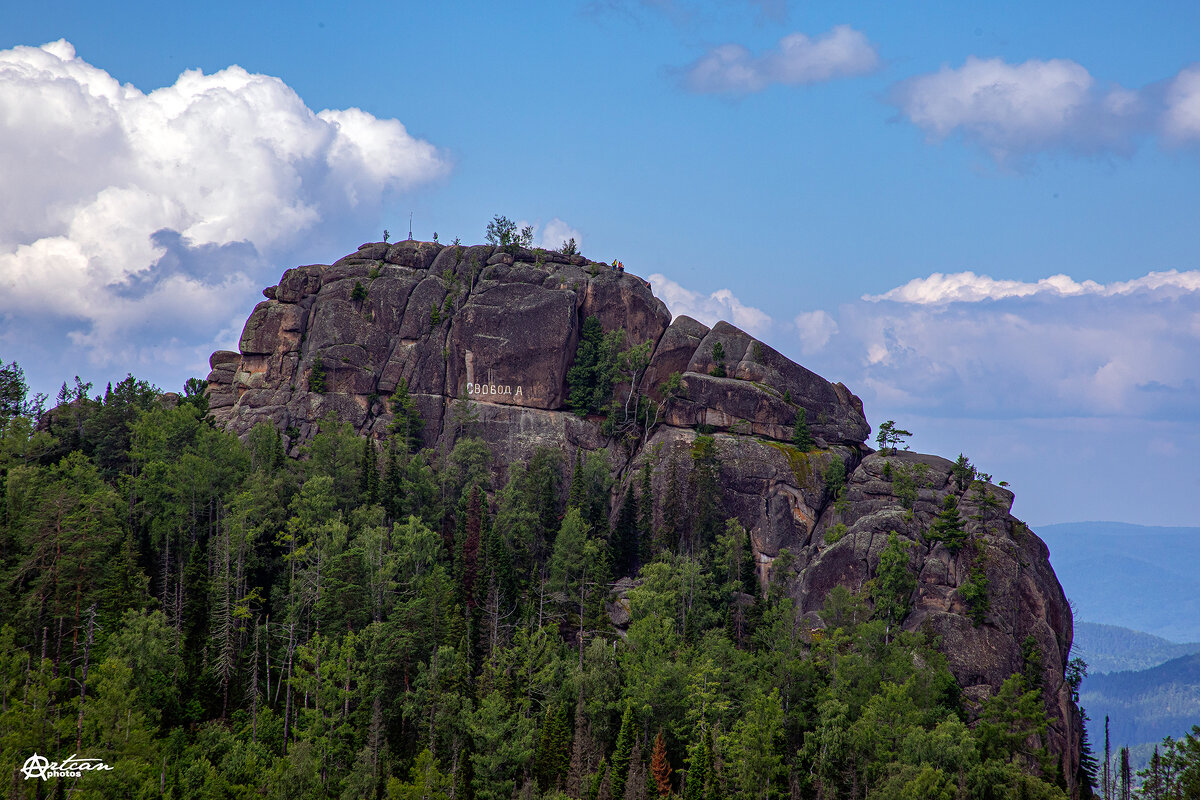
1181 119
973 346
555 232
967 287
712 308
1020 108
141 216
797 60
1016 110
815 328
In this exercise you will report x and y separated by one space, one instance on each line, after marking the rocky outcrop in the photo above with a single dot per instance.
482 334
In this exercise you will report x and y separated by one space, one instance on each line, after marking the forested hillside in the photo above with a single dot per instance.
1111 648
213 618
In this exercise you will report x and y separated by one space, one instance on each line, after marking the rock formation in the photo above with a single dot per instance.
481 333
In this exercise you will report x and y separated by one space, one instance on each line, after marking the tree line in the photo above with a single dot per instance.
215 619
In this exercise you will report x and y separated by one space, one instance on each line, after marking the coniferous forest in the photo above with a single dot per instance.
214 619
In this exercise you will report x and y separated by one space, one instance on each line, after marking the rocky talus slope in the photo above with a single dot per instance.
479 333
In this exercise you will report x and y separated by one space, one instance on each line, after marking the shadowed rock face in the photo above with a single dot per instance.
478 332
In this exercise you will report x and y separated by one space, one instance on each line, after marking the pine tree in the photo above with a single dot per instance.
623 752
699 774
625 538
801 436
706 489
1126 792
553 759
635 781
368 466
470 546
947 528
577 494
406 421
1106 779
582 377
718 357
963 472
669 534
645 512
660 767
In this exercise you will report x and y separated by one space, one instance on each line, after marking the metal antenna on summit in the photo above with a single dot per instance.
410 226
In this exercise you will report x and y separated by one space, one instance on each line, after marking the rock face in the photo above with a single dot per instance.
476 332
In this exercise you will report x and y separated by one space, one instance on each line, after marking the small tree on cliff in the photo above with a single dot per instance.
406 419
801 436
718 356
502 232
889 436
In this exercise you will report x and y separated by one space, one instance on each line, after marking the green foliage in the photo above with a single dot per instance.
595 368
406 424
889 436
316 376
359 292
835 477
372 620
569 247
907 481
801 436
947 527
962 472
503 232
718 357
894 581
435 314
974 593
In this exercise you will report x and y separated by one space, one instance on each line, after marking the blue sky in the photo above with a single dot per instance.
883 191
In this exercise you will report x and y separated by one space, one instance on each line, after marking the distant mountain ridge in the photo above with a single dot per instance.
1111 648
1135 576
1146 705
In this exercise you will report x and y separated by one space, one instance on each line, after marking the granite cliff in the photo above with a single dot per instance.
486 334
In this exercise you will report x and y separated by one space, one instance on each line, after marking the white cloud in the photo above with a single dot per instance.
1013 109
974 346
122 190
1181 120
816 328
967 287
710 309
555 232
798 60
